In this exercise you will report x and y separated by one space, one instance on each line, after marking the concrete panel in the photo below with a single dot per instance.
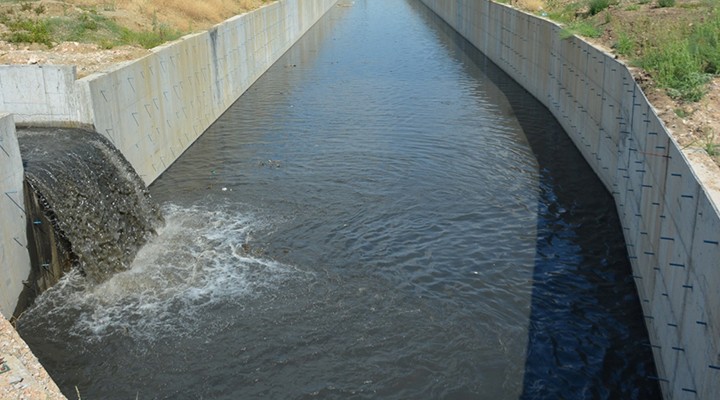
41 95
14 258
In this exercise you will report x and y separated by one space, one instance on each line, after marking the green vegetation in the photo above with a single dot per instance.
709 144
23 30
581 28
676 68
596 6
625 45
29 26
684 59
680 52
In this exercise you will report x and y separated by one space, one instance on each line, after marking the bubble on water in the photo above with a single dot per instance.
198 261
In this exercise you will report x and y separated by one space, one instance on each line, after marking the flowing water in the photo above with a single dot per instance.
384 214
91 195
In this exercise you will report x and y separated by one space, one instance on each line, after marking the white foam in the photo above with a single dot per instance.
197 261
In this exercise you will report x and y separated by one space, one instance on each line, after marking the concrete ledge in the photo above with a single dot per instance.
670 216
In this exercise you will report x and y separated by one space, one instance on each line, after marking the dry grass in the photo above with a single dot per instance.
182 15
531 5
208 10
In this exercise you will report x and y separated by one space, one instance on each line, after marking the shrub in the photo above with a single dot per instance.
23 30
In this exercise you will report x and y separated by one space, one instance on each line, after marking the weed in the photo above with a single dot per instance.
25 6
23 30
632 7
675 68
566 14
705 43
681 113
39 9
596 6
149 39
666 3
709 145
581 28
625 45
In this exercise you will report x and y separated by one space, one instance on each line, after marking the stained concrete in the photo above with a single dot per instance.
670 220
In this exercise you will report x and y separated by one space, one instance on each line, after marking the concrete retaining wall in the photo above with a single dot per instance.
14 259
671 224
152 109
42 95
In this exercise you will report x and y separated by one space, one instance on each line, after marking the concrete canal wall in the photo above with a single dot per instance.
14 258
670 221
152 109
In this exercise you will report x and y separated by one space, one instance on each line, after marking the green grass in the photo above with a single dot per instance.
683 62
709 145
25 30
597 6
705 43
87 27
580 28
565 14
625 45
677 69
681 54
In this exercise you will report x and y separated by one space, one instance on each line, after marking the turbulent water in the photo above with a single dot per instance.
384 214
92 196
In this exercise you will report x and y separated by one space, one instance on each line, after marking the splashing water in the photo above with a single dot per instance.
199 260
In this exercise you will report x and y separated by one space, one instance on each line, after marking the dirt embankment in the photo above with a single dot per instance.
98 28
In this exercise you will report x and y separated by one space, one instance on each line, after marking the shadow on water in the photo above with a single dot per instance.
587 337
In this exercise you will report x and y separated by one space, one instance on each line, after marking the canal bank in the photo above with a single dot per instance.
666 202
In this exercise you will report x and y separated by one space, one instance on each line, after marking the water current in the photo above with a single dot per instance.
384 214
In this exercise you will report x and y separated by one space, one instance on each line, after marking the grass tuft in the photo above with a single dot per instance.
580 28
625 45
597 6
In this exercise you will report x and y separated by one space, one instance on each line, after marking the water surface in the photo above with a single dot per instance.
384 214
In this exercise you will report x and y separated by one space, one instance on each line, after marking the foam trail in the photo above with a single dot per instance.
198 261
